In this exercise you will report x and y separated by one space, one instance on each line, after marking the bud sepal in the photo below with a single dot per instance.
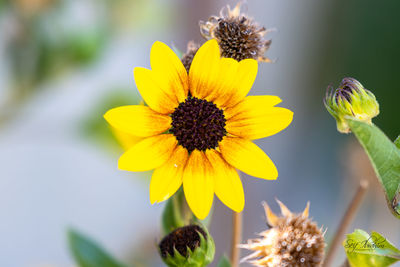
188 246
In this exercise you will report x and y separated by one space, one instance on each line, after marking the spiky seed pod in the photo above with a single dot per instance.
238 36
293 240
188 246
187 58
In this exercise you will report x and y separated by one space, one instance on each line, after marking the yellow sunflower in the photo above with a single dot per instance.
197 128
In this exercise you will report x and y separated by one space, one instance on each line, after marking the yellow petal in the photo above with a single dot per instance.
265 101
167 178
227 184
203 73
228 68
255 118
126 140
248 157
153 92
148 154
198 184
138 120
169 71
244 79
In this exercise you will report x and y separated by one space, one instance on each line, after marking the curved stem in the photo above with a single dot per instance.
346 221
236 238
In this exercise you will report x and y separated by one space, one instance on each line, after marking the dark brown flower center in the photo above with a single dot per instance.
198 124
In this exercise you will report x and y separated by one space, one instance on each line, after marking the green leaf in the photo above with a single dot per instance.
364 250
87 253
385 158
224 262
397 142
94 128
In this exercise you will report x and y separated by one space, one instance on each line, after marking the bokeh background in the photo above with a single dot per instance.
64 63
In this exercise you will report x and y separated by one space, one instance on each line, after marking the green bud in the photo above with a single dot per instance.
188 246
351 99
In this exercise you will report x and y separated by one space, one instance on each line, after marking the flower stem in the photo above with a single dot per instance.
236 238
346 221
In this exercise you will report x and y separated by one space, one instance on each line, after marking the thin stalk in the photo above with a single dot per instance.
236 238
346 221
176 201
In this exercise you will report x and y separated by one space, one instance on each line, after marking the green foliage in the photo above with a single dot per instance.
88 254
397 142
224 262
364 250
94 127
385 158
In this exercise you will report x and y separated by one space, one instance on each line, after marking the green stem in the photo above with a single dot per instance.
176 201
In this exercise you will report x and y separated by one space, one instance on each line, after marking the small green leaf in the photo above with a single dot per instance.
87 253
224 262
384 156
364 250
397 142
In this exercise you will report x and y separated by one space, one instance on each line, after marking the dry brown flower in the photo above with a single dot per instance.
187 58
293 240
238 36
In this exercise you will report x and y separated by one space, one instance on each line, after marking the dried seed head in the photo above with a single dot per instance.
187 58
238 36
293 240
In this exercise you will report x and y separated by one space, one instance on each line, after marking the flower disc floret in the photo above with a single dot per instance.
198 124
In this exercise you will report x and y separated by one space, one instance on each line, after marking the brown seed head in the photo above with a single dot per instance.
293 240
187 58
238 36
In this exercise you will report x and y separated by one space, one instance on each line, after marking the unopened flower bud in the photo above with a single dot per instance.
350 100
187 246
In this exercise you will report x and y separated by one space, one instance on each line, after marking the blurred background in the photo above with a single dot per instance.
64 63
